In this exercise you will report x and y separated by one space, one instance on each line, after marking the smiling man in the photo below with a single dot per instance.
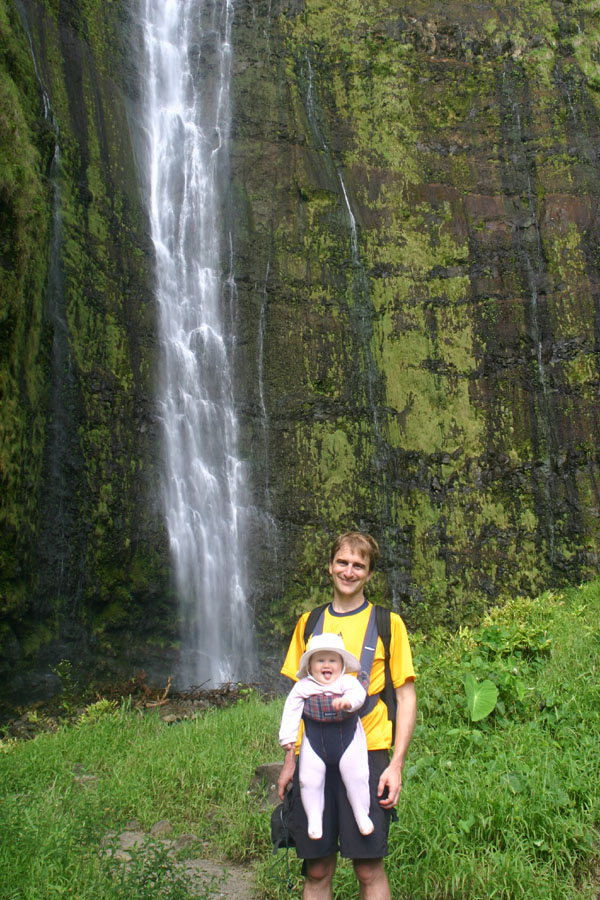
352 560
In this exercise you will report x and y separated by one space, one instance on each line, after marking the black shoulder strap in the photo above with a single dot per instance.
367 655
311 623
384 627
388 695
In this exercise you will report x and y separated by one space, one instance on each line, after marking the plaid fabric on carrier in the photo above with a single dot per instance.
319 707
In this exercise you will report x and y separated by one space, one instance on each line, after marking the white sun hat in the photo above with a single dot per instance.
334 642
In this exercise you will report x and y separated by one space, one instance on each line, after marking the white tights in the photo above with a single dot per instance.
354 771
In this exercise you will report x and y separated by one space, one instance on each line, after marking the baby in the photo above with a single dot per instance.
328 700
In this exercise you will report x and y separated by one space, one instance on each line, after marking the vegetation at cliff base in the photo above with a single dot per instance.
501 796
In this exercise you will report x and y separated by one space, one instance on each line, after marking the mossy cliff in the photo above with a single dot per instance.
82 546
416 189
413 204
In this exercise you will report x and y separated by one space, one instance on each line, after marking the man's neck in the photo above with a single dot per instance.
347 604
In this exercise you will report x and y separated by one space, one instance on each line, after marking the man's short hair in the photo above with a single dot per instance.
358 543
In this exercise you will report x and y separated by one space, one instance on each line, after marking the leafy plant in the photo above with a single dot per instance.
246 692
64 672
481 697
96 711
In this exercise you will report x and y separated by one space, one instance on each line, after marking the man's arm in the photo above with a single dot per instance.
287 771
406 715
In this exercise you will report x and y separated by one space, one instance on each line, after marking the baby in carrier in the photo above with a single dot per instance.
328 700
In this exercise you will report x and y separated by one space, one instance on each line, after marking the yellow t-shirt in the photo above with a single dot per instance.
352 626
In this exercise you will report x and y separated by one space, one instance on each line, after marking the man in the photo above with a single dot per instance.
351 565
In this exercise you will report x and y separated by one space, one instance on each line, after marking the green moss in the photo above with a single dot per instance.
110 345
448 133
400 384
25 151
36 637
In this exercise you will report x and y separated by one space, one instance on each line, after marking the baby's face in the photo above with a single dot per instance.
325 666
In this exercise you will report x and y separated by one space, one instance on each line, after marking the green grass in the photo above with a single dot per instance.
194 773
505 807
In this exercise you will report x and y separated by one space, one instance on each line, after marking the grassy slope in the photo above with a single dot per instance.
506 807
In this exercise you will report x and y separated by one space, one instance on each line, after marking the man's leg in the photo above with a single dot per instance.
319 877
371 879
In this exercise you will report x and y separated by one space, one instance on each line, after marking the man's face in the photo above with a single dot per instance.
325 666
349 571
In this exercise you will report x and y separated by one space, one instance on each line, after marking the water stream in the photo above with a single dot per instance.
186 83
361 311
59 552
532 256
361 315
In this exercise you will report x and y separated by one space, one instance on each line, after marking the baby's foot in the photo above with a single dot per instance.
365 826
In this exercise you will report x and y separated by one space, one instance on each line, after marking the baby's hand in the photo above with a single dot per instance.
340 703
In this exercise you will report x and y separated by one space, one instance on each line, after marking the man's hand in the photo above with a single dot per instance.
391 778
287 772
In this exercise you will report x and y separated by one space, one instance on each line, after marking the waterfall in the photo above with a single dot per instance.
361 316
532 255
186 86
361 311
59 552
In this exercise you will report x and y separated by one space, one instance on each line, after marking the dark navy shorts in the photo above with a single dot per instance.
340 831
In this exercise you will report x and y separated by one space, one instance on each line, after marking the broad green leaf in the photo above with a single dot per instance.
481 697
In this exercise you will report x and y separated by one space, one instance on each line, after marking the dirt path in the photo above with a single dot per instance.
207 878
228 882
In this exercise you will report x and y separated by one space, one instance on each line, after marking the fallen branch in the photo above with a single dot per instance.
163 699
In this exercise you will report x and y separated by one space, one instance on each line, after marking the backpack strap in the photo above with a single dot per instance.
388 694
366 661
314 623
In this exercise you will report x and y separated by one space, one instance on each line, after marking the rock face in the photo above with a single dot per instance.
82 543
413 205
416 195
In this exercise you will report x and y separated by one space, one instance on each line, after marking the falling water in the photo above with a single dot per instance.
58 551
187 106
533 259
361 317
362 310
264 415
